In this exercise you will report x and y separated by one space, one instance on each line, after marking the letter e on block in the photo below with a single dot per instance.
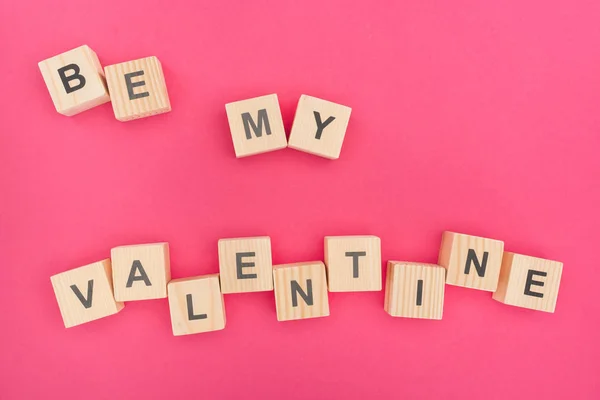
471 261
141 272
137 89
196 305
414 290
256 125
300 291
529 282
75 80
245 265
353 263
319 127
85 294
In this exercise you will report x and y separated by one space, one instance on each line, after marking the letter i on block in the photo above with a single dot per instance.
471 261
245 265
85 294
75 81
141 272
196 305
414 290
319 127
529 282
137 89
256 125
353 263
300 291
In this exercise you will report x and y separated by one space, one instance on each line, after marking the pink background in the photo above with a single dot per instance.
470 116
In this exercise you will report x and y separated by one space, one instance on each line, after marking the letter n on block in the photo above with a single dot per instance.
196 305
141 272
300 291
353 263
414 290
75 80
471 261
245 265
85 294
256 125
529 282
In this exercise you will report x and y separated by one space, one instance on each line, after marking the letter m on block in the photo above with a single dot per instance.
257 128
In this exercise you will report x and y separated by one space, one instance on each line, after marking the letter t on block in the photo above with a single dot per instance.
245 265
471 261
300 291
529 282
256 125
353 263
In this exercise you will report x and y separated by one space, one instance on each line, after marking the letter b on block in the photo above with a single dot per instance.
256 125
471 261
245 265
75 80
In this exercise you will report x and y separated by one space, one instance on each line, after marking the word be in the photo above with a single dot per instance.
352 264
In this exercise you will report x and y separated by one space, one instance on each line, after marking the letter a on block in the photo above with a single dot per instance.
85 294
300 291
471 261
256 125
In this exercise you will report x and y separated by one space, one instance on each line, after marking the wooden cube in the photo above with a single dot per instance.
319 127
256 125
137 89
414 290
85 294
353 263
300 291
245 264
529 282
141 272
471 261
75 80
196 305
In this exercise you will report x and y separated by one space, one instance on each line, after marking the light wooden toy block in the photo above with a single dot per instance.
141 272
245 264
353 263
471 261
256 125
137 89
85 294
75 80
414 290
319 127
300 291
196 305
529 282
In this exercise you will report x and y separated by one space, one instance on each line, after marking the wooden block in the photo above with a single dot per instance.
85 294
414 290
75 80
471 261
256 125
319 127
245 264
529 282
137 89
353 263
196 305
300 291
141 272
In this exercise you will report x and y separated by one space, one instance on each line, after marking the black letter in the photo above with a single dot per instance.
529 282
239 265
420 292
87 303
472 257
131 85
249 122
308 298
190 307
355 255
321 125
142 277
75 75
